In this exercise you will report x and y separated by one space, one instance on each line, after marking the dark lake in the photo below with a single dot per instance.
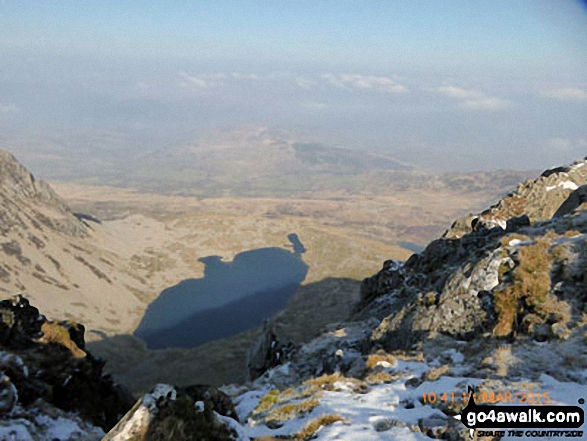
231 297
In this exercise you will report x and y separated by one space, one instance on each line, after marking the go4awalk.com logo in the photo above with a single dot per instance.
531 421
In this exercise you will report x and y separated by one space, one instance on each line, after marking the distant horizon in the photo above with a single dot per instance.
451 86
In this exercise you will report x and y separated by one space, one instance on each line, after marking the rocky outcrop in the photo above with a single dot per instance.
577 200
26 202
182 414
539 200
517 270
49 378
266 352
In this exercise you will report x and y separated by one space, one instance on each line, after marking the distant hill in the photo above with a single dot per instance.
253 163
250 162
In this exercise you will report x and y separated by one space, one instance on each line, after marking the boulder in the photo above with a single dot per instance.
575 200
181 414
50 367
266 352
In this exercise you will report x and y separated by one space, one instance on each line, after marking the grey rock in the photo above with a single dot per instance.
266 352
574 201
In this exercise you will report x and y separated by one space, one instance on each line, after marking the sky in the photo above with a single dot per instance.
445 85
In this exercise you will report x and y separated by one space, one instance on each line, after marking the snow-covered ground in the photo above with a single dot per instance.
392 410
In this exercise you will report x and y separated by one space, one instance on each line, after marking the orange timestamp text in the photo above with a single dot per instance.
487 397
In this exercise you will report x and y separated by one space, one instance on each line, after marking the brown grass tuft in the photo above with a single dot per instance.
435 373
292 410
529 285
56 333
373 359
267 401
312 427
379 377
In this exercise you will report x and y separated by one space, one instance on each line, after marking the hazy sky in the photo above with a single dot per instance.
441 84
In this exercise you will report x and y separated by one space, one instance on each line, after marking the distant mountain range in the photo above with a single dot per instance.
254 162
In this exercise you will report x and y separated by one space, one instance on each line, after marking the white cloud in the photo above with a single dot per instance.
304 82
488 103
566 94
315 105
474 99
9 108
241 76
459 92
364 82
202 81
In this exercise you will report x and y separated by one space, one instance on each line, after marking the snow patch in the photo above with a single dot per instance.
17 431
60 428
240 432
565 185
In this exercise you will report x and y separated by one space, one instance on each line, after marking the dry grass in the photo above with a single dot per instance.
275 397
530 284
379 377
380 357
328 382
296 394
293 410
267 401
312 427
409 356
435 373
572 233
56 333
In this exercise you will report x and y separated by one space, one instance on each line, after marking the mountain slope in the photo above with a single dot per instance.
46 249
